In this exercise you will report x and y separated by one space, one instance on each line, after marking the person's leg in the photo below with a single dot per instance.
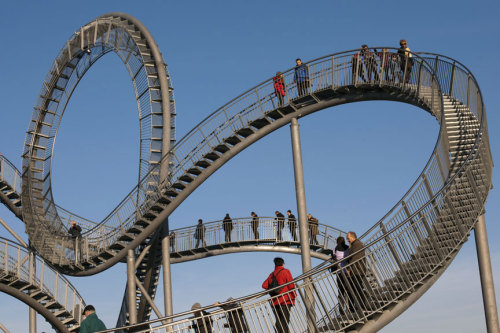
280 324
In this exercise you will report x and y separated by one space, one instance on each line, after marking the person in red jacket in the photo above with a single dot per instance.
282 303
279 87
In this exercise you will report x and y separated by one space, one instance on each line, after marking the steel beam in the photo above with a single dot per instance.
486 275
131 287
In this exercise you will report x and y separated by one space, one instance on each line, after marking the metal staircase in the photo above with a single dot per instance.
406 251
27 277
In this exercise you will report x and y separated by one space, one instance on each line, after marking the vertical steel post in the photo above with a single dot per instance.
300 193
32 273
486 275
32 313
303 225
131 288
452 80
167 278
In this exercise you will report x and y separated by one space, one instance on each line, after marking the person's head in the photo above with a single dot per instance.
200 221
276 212
88 310
289 212
340 240
172 233
298 61
364 46
73 223
402 43
196 306
278 73
309 216
351 237
253 214
278 261
227 214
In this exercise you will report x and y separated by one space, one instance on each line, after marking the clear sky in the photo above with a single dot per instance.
359 159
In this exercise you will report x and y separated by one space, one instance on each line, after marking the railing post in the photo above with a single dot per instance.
468 90
167 273
486 275
419 78
358 62
333 72
452 81
412 222
391 247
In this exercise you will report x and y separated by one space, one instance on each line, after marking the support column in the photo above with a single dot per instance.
131 288
485 272
32 320
167 278
300 192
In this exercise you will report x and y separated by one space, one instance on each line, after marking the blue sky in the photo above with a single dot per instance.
359 159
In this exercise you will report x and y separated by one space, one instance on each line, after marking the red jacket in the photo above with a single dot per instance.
279 85
283 276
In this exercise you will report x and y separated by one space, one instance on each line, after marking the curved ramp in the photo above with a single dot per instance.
30 279
408 249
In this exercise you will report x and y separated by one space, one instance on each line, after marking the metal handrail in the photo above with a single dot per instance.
20 263
407 238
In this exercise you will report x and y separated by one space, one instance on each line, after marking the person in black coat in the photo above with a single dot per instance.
292 225
227 225
280 224
236 320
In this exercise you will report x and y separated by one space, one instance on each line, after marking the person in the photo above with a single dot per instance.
356 272
357 68
386 63
405 60
301 77
280 224
339 253
370 62
202 322
292 225
279 87
199 234
313 228
236 320
227 225
91 323
285 300
75 232
172 241
255 225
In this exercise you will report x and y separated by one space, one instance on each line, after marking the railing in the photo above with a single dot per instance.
10 175
246 231
19 264
413 242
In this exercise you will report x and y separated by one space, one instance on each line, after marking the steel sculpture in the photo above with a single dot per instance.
405 252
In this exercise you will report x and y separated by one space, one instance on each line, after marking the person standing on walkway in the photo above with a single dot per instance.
279 87
227 225
370 62
76 233
357 68
199 234
202 322
280 224
91 323
236 320
292 225
339 253
172 241
405 60
301 77
255 225
283 303
313 228
356 273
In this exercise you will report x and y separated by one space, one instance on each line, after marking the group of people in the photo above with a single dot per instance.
351 274
392 65
227 227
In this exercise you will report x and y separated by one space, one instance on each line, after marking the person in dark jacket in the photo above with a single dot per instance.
280 224
236 320
370 62
357 68
227 225
199 234
356 273
283 303
202 322
91 323
339 253
313 228
279 87
292 225
255 225
172 241
405 60
76 233
301 77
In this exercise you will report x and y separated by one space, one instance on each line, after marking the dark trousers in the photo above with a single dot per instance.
227 235
279 231
356 292
282 314
293 230
202 240
255 228
281 99
302 88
